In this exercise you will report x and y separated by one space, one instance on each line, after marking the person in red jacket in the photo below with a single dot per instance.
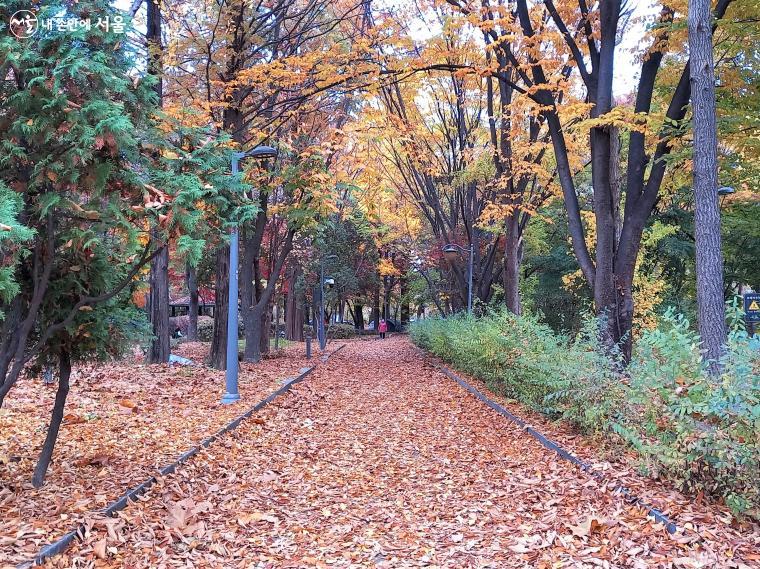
382 328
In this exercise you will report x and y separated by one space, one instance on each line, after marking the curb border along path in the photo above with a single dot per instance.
629 497
61 544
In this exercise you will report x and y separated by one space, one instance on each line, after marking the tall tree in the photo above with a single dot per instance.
160 346
588 36
191 278
294 304
709 258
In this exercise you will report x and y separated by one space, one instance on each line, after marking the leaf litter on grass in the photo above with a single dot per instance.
123 421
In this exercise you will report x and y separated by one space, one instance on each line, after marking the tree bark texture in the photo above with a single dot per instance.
512 261
358 316
404 301
222 285
294 308
709 259
160 346
46 454
192 289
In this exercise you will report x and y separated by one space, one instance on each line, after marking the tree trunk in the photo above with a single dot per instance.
256 320
64 373
511 277
294 308
358 315
709 259
277 304
376 307
404 300
253 338
160 347
192 289
615 181
248 296
259 313
222 284
265 329
387 289
155 48
9 339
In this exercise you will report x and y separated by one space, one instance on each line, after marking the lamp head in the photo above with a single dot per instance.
725 190
450 252
329 282
262 152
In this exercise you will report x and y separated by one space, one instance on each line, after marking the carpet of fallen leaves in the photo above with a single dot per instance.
378 460
123 421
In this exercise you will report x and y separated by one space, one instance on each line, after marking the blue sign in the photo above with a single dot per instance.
752 307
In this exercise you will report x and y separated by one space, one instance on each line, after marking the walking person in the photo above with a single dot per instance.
382 328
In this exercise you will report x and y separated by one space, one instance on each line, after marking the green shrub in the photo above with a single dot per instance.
181 322
701 432
205 328
341 331
524 360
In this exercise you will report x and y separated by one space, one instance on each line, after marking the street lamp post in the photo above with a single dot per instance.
451 251
322 283
724 191
232 393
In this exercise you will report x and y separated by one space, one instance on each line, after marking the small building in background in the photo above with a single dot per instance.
180 306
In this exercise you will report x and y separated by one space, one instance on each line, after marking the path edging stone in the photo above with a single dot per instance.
61 544
629 497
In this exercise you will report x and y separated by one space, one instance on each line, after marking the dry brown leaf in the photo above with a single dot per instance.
99 548
268 477
587 527
73 419
178 516
245 519
400 464
96 460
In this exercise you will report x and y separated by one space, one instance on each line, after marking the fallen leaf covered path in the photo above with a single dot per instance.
379 460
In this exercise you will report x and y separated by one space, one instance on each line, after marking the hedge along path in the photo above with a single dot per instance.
379 461
133 494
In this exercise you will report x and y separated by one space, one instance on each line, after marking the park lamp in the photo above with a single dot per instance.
452 252
724 191
261 152
329 282
232 393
